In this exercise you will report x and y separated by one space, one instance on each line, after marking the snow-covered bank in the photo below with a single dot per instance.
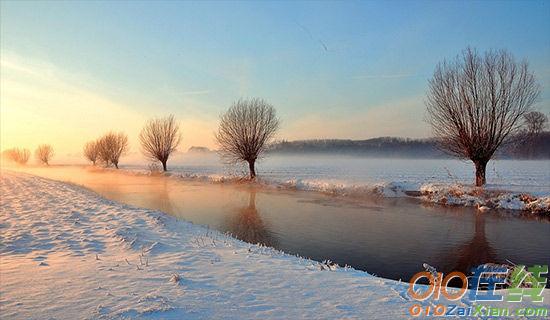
484 199
67 253
456 194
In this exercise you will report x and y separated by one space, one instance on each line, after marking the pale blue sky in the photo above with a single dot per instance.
341 69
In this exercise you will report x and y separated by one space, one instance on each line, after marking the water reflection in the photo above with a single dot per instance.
162 199
247 224
478 250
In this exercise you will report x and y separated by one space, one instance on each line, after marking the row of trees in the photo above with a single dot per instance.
243 136
476 103
43 154
159 138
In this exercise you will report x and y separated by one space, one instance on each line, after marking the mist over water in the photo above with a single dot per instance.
511 175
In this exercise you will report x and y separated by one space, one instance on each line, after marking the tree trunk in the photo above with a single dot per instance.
252 170
164 165
116 164
481 165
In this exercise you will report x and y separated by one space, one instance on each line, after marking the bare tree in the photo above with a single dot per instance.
91 151
476 102
22 156
245 131
17 155
159 138
44 154
111 147
534 123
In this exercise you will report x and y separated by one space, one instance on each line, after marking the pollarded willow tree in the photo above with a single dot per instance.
245 131
44 154
111 147
17 155
91 151
476 103
160 138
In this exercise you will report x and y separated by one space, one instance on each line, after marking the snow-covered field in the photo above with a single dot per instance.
443 181
67 253
323 171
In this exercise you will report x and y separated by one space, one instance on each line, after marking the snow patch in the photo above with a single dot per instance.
483 199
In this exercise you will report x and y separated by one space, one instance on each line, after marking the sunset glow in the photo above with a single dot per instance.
189 159
339 81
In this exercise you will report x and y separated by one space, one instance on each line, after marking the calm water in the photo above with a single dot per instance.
387 237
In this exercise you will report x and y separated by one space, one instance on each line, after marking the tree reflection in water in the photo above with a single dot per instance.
474 252
247 225
160 197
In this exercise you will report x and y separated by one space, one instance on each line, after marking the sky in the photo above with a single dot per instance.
71 71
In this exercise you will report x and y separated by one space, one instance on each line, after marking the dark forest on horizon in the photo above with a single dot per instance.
406 147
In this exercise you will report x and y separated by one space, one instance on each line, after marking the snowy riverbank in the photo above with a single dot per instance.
67 253
445 193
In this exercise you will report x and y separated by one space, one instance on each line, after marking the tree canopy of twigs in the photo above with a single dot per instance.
160 138
17 155
477 101
44 154
111 147
91 151
245 131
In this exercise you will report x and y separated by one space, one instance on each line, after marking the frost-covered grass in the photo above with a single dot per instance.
67 253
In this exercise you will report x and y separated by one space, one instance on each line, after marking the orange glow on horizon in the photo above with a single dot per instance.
39 104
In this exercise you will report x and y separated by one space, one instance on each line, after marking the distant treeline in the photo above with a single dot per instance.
403 147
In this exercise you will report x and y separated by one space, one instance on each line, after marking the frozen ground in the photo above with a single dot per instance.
67 253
